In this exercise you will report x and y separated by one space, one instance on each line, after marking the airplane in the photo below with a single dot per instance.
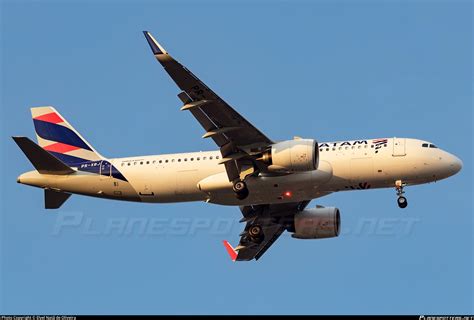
272 182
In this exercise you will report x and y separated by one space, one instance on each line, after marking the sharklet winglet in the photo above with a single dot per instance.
230 250
156 48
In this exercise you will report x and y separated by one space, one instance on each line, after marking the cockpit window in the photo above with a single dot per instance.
424 145
433 146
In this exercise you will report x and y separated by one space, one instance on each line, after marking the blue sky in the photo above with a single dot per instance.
322 69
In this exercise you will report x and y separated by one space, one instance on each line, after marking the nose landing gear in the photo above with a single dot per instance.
401 201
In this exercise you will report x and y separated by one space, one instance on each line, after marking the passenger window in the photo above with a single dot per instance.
198 158
166 160
172 160
217 157
327 149
185 159
128 163
148 162
210 158
160 161
141 162
179 160
203 158
320 150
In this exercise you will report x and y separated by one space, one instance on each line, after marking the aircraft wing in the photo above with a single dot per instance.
272 219
229 130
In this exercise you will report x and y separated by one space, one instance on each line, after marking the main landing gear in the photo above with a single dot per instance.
254 235
401 201
255 231
240 189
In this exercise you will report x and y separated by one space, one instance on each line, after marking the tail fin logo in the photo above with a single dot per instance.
59 138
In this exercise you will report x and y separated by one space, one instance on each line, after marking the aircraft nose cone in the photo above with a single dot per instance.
455 164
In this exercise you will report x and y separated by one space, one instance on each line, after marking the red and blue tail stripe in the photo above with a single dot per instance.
59 138
65 139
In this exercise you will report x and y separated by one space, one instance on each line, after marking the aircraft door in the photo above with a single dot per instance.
105 170
399 149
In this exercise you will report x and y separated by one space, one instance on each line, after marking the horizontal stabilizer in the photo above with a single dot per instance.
54 199
41 159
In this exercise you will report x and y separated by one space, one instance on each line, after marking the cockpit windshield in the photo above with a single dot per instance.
428 145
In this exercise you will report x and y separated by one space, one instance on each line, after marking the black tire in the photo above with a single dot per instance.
402 202
255 231
239 186
242 194
240 189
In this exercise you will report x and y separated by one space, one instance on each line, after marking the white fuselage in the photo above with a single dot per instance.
198 176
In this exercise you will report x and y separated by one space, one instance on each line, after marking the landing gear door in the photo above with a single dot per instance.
399 149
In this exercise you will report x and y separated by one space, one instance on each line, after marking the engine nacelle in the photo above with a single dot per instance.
317 223
297 155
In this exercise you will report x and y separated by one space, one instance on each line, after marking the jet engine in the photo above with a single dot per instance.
317 223
297 155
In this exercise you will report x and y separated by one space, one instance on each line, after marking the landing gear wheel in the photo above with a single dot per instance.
402 202
242 195
240 189
239 186
255 234
255 231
